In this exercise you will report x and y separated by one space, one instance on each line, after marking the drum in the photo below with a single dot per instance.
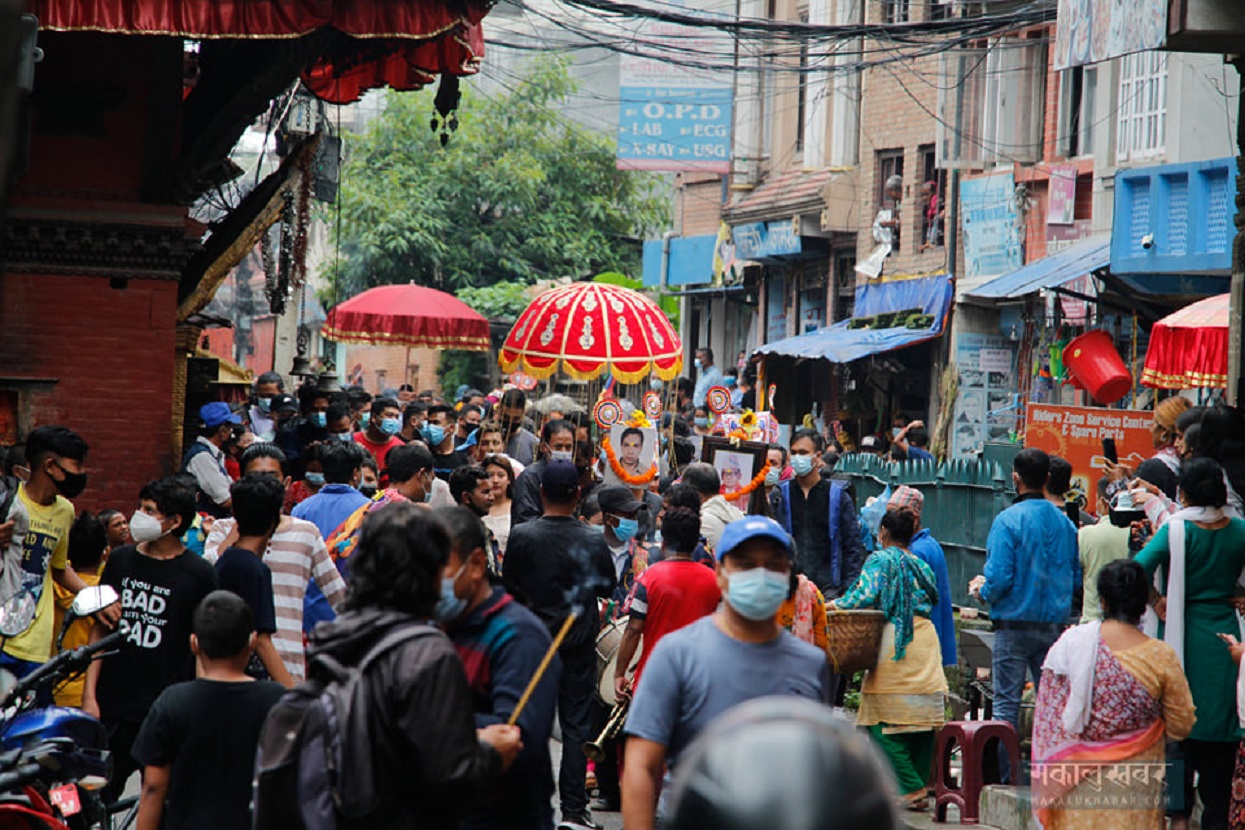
608 642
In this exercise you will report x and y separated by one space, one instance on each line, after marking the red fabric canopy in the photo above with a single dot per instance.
407 315
408 42
587 328
1189 349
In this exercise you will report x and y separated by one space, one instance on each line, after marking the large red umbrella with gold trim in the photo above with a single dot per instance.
407 315
587 328
1189 349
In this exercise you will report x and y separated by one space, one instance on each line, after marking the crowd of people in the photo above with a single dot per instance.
313 531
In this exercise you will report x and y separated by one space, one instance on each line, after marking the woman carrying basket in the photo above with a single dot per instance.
902 700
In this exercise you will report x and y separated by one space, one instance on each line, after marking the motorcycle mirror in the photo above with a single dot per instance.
17 613
94 599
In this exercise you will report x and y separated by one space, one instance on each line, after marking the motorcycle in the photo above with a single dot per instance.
53 759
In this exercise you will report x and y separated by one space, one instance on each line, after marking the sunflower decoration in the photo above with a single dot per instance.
747 429
639 420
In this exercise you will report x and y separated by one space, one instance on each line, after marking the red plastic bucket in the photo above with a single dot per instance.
1093 360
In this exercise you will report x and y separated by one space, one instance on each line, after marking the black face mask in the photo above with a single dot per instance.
72 485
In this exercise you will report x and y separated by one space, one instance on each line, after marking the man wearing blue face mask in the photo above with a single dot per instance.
620 511
819 513
501 643
438 434
739 653
708 376
381 433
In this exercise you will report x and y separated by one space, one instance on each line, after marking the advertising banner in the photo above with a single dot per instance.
1076 433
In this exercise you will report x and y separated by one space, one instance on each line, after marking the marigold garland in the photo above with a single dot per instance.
750 487
635 481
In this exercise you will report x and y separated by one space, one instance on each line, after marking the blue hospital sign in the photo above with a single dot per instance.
675 128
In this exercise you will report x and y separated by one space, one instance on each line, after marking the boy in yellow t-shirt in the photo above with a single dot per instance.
88 540
56 456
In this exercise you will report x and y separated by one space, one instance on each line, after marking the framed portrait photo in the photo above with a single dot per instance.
634 447
737 464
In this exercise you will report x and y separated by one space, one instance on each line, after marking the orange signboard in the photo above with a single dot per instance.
1076 433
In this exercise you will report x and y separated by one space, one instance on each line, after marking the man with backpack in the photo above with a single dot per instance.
387 700
819 514
215 718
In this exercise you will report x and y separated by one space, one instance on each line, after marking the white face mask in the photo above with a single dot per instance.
145 528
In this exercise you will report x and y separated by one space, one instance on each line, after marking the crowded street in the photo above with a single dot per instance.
588 415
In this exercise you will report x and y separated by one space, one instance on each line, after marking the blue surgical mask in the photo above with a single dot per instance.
701 422
772 476
627 529
561 455
264 404
696 363
450 606
343 436
598 529
655 384
365 419
315 479
757 593
802 464
319 419
434 434
391 426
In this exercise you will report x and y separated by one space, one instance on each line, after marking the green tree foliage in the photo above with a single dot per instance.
519 193
504 301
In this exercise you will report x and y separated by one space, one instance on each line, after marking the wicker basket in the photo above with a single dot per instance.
853 639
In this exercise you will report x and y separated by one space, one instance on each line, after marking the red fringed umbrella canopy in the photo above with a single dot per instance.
408 315
403 44
587 328
1189 349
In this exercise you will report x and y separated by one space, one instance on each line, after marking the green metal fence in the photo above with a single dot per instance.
962 498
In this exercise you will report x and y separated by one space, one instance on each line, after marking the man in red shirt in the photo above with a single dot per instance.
669 594
381 434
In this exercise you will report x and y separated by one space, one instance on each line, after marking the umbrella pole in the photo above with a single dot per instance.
406 370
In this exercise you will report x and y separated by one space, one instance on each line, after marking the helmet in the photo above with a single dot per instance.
782 763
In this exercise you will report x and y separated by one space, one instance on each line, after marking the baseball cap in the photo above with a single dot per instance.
871 443
908 497
560 479
217 413
284 403
616 499
752 527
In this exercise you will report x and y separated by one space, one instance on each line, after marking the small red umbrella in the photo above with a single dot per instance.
586 328
1189 349
408 315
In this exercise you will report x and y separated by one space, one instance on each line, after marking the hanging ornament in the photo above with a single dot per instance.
652 405
718 399
607 412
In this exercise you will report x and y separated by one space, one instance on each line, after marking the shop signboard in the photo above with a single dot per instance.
761 240
1061 209
1076 433
675 116
991 229
1090 31
985 409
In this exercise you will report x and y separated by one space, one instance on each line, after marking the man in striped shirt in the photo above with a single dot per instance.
296 555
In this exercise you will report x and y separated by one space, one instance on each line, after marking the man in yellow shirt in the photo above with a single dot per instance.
56 456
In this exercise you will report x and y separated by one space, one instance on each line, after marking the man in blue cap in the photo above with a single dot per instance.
737 654
205 460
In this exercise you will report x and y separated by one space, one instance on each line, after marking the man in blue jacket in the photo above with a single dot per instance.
1031 568
819 514
926 547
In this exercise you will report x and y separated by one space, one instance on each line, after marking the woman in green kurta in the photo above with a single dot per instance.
1199 554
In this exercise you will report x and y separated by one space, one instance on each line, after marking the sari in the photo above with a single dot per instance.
1099 728
804 615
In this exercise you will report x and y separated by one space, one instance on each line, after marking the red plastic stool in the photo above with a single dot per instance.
980 764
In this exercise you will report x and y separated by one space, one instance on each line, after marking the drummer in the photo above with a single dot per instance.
620 515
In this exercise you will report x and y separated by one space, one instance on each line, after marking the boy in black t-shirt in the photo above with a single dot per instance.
257 501
197 745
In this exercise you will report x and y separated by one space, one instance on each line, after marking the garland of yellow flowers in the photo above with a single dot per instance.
750 487
639 420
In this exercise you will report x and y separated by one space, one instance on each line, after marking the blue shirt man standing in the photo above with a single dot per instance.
1031 568
708 376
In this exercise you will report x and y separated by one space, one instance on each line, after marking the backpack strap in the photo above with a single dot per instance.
11 484
836 545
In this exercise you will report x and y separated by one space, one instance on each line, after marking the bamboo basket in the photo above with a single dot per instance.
853 639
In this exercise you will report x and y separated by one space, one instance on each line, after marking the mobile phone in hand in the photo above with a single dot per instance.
1108 450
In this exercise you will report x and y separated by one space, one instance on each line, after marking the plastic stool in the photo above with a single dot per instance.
980 764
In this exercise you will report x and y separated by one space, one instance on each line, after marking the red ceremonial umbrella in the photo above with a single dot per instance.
1189 349
408 315
588 327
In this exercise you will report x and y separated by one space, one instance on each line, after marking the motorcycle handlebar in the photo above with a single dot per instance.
66 661
20 777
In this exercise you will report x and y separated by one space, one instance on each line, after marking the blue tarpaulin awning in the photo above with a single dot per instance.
1052 271
840 344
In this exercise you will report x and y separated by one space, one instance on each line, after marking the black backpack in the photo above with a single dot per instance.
314 760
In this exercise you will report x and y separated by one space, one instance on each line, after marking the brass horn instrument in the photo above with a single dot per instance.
595 750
